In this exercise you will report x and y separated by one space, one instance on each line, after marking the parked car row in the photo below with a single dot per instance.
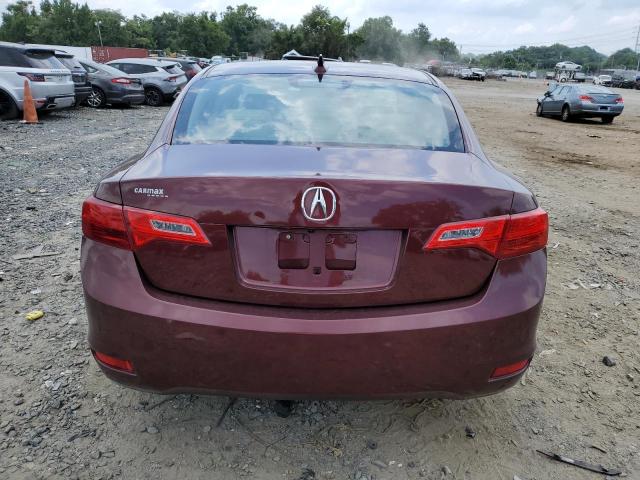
472 74
510 73
59 80
626 80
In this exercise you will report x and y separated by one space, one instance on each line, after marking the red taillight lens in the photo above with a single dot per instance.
619 100
482 234
510 369
525 233
170 79
34 77
586 98
113 362
131 228
503 237
122 81
104 222
146 226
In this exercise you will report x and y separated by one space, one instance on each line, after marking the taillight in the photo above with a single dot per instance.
131 228
123 81
525 233
483 234
619 100
146 226
34 77
114 362
104 222
586 98
511 369
170 79
502 237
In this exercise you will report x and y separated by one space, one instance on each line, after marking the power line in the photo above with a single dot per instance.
619 34
601 34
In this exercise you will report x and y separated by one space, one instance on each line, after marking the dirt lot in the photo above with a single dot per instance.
60 418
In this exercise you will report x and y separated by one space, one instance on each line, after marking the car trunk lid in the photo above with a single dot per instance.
256 206
604 98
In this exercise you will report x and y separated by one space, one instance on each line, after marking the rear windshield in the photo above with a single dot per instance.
43 60
593 89
71 63
299 110
105 69
173 69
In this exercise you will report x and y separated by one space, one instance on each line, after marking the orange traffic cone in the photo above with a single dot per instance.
28 105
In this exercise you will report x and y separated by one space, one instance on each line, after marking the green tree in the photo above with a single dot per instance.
164 28
544 57
19 22
323 33
510 62
283 39
625 58
112 28
445 49
247 31
419 38
380 40
140 32
201 35
63 22
260 38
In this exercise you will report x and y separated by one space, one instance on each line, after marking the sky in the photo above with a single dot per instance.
478 26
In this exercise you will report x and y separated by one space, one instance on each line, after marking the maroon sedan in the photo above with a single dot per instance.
297 231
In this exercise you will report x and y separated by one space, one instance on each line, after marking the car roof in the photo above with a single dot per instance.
63 54
88 61
144 61
335 68
25 48
93 63
177 60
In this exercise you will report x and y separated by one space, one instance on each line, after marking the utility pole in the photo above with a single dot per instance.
98 23
637 50
348 42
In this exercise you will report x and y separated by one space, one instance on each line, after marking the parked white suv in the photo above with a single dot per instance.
51 82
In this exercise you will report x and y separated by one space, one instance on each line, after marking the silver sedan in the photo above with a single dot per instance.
585 101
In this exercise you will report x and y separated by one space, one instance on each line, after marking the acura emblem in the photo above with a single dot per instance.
318 204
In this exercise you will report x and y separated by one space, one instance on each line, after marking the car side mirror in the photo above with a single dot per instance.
547 94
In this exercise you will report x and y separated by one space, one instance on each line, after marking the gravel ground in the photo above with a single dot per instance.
60 418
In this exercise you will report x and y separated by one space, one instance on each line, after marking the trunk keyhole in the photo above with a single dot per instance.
317 270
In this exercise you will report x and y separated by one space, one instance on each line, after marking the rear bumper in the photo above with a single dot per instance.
598 110
49 95
173 94
136 98
59 102
82 92
183 344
